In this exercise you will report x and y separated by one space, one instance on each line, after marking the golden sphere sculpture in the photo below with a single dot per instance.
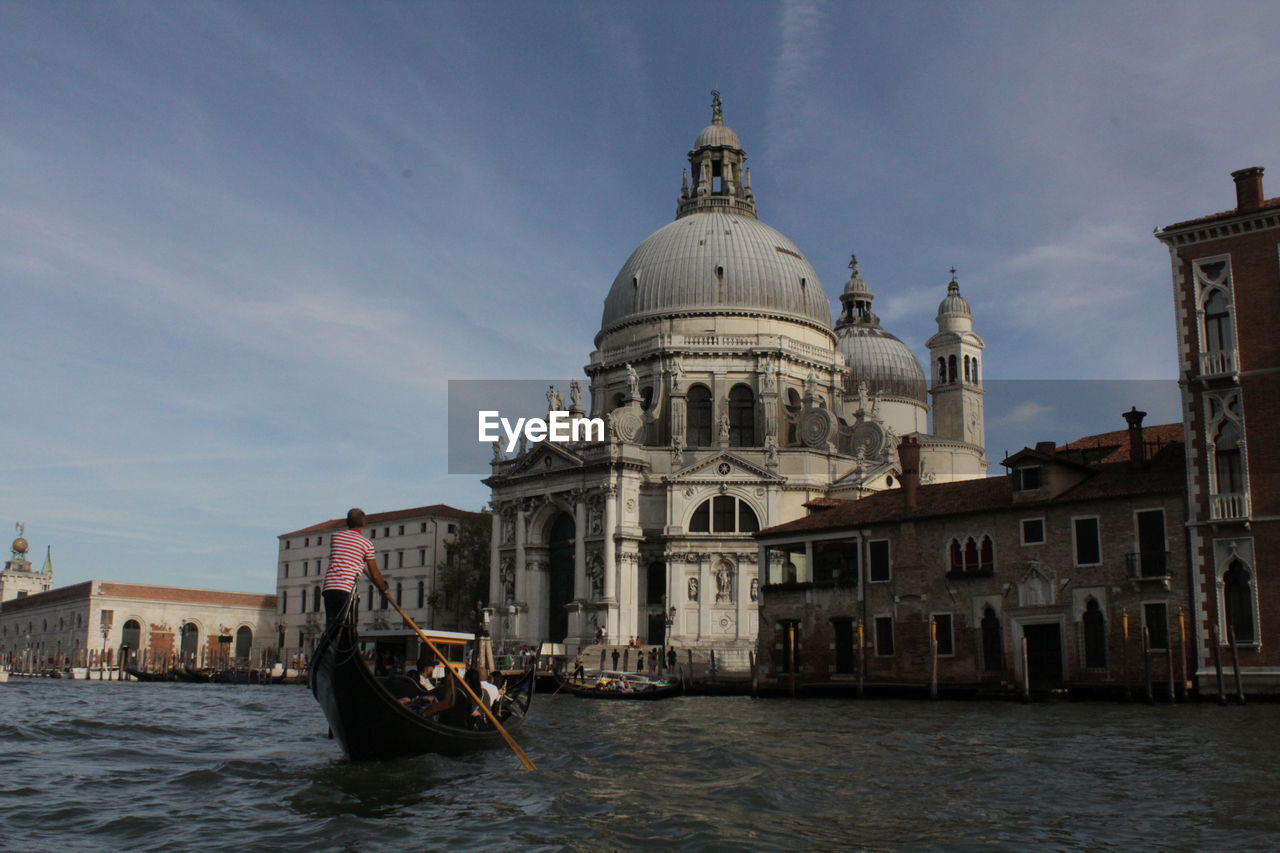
20 546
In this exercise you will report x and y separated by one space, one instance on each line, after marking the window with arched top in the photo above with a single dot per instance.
244 642
973 368
942 370
957 556
1094 625
986 555
742 417
698 417
1228 470
1237 589
1218 332
794 408
315 599
951 368
966 368
970 555
724 514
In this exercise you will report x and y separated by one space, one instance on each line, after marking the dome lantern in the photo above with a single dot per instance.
721 181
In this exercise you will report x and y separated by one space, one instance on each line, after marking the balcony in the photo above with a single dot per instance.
1218 363
1148 565
1229 506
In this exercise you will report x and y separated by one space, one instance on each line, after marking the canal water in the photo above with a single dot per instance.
89 766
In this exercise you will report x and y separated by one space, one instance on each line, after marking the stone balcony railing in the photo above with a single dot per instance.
637 350
1217 363
1228 506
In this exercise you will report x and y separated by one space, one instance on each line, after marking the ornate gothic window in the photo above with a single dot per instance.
1229 474
698 431
1218 333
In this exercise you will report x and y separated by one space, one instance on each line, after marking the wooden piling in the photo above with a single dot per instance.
1146 661
1168 650
933 654
1026 672
1235 660
791 657
1182 650
755 675
1217 663
862 658
1124 653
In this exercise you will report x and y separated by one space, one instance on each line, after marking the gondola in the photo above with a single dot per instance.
140 675
621 686
369 720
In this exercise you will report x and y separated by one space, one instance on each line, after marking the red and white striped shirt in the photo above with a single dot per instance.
347 552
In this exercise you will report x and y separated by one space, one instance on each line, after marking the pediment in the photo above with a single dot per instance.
723 468
546 458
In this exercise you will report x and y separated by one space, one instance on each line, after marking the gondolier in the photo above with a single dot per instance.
350 553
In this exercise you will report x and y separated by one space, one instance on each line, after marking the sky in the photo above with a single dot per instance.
245 246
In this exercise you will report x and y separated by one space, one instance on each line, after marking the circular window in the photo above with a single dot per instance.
723 469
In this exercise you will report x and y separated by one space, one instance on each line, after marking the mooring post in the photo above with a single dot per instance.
1235 659
1146 661
933 655
1217 663
1124 652
862 658
1182 649
1026 674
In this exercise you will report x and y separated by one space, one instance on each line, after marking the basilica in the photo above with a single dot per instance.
733 402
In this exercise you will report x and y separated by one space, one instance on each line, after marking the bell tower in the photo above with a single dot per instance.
956 369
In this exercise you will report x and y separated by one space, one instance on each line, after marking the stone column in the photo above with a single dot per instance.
495 544
520 557
610 561
581 587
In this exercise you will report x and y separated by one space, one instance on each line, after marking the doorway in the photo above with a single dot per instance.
560 564
1044 655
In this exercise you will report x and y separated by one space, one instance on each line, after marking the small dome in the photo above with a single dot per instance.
716 135
716 263
882 361
954 305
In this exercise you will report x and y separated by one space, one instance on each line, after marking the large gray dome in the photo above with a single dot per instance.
882 361
716 263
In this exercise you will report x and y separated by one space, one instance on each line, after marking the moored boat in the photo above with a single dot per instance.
371 716
621 685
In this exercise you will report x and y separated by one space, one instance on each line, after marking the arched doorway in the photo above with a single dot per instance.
130 640
244 642
190 643
560 541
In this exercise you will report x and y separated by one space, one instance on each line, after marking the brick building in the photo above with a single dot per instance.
1226 286
1079 550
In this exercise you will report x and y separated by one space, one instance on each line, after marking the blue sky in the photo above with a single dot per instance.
243 247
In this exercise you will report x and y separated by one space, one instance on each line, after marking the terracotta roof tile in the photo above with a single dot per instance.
438 510
1225 214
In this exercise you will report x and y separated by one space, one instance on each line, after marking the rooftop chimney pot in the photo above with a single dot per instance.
1248 188
909 456
1137 444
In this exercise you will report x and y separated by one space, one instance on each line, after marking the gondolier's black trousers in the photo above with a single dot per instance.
334 601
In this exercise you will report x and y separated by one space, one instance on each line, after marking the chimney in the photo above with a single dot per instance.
1048 448
1137 446
1248 188
909 456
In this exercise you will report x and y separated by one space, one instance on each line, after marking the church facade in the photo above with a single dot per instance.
731 400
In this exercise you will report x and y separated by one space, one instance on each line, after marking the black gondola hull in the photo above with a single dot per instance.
583 692
369 723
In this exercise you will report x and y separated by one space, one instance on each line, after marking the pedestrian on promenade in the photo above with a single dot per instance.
350 553
671 658
615 659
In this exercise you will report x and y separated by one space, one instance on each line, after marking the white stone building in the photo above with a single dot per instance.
732 401
18 580
78 625
411 547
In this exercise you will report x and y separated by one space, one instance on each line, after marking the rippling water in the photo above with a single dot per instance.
90 766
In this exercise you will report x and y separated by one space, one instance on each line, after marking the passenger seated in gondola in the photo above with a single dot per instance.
435 701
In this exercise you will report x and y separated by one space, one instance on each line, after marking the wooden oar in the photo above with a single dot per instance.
484 706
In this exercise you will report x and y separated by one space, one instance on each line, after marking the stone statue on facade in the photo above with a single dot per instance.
555 402
575 396
677 374
723 580
693 589
633 382
755 589
724 424
771 451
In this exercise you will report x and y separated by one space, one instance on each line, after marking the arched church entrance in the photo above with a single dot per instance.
244 642
130 640
560 570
